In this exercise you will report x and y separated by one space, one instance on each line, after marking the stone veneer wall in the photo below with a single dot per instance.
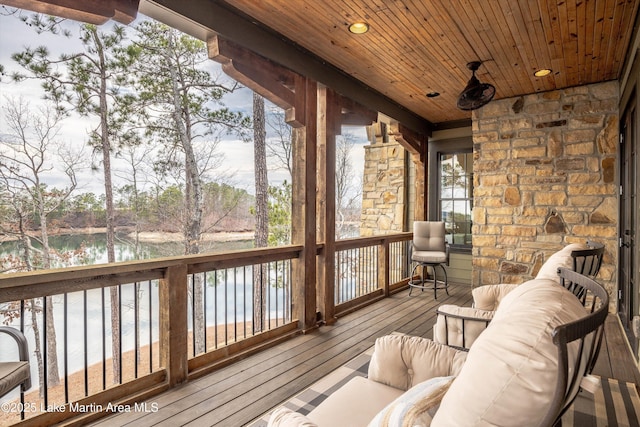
544 176
384 187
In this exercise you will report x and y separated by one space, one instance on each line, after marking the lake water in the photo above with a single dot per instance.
96 247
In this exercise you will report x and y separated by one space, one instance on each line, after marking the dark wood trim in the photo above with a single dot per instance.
203 19
94 12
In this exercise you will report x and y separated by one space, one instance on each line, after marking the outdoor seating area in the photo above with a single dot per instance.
401 213
531 362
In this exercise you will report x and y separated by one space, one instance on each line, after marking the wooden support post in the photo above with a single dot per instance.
383 267
303 209
329 113
173 324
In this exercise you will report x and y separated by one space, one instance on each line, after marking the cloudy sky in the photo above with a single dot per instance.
238 156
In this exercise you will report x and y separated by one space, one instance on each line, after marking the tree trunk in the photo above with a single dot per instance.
193 197
110 211
53 374
260 285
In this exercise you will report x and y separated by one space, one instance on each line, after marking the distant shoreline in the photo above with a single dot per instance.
147 236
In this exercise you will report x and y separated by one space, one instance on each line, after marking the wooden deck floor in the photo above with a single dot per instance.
244 391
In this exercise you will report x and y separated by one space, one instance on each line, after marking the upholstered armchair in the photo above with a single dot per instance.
15 373
460 326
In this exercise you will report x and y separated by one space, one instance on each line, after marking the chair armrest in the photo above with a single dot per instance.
23 354
460 326
21 340
488 297
401 361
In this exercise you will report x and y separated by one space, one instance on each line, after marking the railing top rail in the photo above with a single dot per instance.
361 242
24 285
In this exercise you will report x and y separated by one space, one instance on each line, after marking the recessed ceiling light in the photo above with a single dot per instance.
433 94
542 72
359 27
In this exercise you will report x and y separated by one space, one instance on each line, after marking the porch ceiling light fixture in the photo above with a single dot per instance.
542 72
475 94
359 27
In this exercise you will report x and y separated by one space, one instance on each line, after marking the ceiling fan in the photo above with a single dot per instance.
475 94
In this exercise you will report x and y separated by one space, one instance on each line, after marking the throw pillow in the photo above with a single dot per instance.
285 417
415 407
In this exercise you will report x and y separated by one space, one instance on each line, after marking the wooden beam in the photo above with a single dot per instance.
263 76
203 18
91 11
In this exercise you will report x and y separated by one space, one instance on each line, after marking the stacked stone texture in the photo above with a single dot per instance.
544 177
383 189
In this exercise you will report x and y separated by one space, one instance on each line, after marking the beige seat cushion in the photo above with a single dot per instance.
12 374
509 377
429 257
354 404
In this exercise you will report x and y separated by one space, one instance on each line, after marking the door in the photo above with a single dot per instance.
628 258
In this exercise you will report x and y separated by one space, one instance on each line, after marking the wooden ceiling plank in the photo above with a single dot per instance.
553 31
616 52
466 45
364 42
435 43
607 28
567 18
510 50
582 30
589 35
530 56
541 45
498 66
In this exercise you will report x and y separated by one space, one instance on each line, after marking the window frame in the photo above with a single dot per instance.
463 145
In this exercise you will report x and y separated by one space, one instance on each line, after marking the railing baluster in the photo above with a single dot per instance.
215 308
104 342
86 344
226 312
204 309
136 331
150 328
66 348
45 354
120 334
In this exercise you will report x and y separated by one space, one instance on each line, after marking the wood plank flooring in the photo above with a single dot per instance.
244 391
615 359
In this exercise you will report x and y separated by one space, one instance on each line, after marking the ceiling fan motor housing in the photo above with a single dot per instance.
475 94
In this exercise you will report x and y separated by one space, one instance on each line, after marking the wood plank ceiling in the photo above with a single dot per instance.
415 47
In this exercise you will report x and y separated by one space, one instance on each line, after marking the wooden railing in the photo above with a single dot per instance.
174 318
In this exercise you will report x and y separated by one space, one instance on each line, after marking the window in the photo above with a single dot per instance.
455 198
450 189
